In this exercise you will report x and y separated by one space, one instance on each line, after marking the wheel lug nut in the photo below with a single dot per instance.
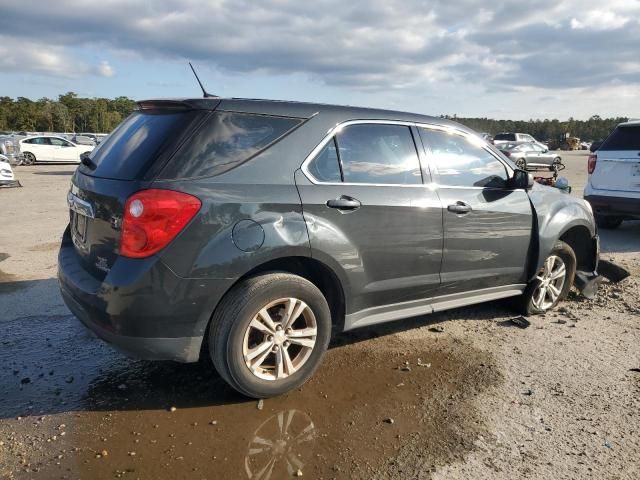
278 327
285 344
289 331
270 338
276 348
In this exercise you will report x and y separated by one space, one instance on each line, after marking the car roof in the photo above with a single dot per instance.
630 122
288 108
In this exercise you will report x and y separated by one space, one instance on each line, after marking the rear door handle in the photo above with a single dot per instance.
344 203
459 207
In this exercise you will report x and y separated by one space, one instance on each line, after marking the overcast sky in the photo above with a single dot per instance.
501 59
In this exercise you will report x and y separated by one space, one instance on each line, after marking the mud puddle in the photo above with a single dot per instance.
90 413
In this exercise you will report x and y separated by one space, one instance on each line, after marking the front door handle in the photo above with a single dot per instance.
459 207
344 203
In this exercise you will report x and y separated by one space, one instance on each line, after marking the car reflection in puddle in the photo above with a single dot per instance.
280 446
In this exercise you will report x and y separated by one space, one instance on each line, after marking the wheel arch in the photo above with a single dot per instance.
317 272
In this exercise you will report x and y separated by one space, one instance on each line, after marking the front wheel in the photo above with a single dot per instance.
552 282
269 334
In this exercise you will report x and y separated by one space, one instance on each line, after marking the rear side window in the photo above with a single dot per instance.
226 140
380 154
511 137
623 138
134 145
461 162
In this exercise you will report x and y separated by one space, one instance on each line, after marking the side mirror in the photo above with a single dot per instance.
84 156
546 150
521 179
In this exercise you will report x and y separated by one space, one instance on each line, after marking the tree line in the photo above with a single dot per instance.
595 128
71 113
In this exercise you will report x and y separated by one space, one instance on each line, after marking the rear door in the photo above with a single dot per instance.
368 211
40 147
618 164
487 226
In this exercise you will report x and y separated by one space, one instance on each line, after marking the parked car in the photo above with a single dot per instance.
9 148
530 155
84 140
613 185
502 138
50 148
251 230
7 178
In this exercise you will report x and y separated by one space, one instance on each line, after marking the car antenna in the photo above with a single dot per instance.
205 94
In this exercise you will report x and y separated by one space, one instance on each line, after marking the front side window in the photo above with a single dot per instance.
461 162
380 154
58 142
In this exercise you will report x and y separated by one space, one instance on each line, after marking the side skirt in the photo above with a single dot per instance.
398 311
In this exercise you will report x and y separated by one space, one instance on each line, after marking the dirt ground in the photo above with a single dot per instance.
463 394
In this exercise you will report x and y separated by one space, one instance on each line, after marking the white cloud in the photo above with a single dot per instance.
600 20
22 55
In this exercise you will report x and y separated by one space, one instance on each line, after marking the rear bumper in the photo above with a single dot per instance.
141 307
614 206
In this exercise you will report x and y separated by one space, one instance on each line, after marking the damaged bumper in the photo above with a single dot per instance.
588 282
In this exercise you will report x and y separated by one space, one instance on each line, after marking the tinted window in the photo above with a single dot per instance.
459 161
506 136
58 142
226 140
378 154
133 146
38 141
326 167
623 138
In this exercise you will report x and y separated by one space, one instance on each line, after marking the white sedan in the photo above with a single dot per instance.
49 148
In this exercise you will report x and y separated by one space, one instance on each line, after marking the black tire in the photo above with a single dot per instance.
521 163
29 158
608 222
525 302
233 316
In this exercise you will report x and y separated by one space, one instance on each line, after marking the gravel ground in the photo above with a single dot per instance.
456 395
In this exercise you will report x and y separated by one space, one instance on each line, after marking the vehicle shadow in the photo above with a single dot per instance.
624 239
50 363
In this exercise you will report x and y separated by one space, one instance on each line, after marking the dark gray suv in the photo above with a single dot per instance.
251 230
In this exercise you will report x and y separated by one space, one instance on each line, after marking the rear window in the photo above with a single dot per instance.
506 136
623 138
226 140
128 152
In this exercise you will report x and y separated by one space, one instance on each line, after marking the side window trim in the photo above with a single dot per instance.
332 136
465 135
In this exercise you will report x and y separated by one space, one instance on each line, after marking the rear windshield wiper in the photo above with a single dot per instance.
86 161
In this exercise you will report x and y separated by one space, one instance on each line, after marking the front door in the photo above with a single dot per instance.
370 216
487 226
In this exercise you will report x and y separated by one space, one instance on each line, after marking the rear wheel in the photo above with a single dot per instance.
608 222
269 334
552 282
29 158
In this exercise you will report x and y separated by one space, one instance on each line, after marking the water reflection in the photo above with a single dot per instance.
280 446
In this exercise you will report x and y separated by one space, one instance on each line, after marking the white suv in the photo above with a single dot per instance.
613 188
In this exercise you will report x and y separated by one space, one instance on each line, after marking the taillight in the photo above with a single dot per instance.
152 218
591 163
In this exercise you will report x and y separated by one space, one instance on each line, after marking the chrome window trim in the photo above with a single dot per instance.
450 129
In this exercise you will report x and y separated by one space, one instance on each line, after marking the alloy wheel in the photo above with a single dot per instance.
551 280
279 339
